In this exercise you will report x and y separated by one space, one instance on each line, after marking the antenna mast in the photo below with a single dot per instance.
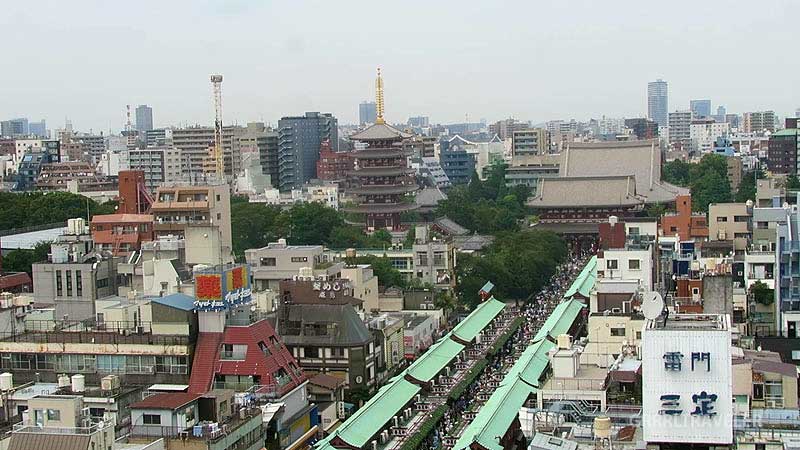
379 98
218 156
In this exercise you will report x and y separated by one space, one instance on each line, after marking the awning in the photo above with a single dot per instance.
269 410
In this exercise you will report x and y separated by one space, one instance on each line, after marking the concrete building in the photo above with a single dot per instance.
144 118
784 150
680 127
529 142
121 234
687 392
627 264
505 128
367 113
608 336
700 108
458 165
704 133
642 128
364 285
14 127
657 102
195 142
59 176
159 164
686 224
278 261
529 170
56 421
299 141
38 129
486 152
178 208
158 137
76 275
730 222
758 122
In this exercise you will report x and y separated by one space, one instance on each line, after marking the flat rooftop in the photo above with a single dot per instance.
690 322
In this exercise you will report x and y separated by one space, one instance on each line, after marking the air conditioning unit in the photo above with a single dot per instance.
374 445
384 437
109 383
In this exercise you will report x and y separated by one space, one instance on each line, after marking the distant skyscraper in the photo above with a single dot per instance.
14 127
367 113
797 112
700 108
657 102
144 118
721 111
299 141
419 121
38 129
679 127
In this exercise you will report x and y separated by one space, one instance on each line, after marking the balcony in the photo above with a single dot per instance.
88 430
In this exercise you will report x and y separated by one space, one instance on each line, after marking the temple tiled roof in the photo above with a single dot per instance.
380 132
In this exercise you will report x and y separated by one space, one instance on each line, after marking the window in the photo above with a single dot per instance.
151 419
438 259
78 283
741 218
758 392
695 291
111 363
422 258
633 264
618 331
722 219
611 264
638 335
633 230
59 287
311 352
69 283
673 229
297 259
53 414
102 283
268 262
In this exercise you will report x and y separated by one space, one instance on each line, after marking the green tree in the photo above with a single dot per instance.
792 182
762 293
22 260
312 223
254 225
710 188
39 208
747 188
382 268
676 172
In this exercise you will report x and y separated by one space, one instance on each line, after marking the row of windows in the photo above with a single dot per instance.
120 364
633 264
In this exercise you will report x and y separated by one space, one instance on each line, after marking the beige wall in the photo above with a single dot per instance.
722 220
602 345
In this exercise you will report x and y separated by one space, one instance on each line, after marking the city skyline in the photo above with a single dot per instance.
418 79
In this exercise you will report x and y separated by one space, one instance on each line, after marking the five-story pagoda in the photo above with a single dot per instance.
383 180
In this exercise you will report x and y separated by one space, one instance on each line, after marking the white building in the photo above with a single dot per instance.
624 264
687 379
703 135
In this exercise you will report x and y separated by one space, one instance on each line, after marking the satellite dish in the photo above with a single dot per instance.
652 305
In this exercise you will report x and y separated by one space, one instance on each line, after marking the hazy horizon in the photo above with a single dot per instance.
448 60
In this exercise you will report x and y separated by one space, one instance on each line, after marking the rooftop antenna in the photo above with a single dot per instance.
379 98
219 158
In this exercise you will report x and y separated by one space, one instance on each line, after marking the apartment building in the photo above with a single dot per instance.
529 142
279 261
177 208
159 164
730 222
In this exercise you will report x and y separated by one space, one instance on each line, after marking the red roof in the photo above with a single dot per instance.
167 400
256 362
15 279
122 218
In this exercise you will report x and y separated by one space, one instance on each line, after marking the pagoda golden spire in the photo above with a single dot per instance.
379 98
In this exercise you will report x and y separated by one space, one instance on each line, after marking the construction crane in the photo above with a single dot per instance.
217 154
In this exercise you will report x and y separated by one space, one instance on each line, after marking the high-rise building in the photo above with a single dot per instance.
195 142
458 165
700 108
657 102
505 128
14 127
783 151
144 118
333 166
159 164
419 121
262 142
38 129
758 121
679 127
366 113
529 142
721 112
299 141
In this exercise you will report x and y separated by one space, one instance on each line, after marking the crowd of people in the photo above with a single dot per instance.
535 312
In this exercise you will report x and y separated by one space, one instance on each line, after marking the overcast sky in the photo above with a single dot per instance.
450 60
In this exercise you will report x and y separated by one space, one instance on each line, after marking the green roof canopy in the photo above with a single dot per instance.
474 323
561 319
786 132
584 282
532 363
495 416
435 359
362 425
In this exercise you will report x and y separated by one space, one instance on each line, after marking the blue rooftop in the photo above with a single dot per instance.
178 301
